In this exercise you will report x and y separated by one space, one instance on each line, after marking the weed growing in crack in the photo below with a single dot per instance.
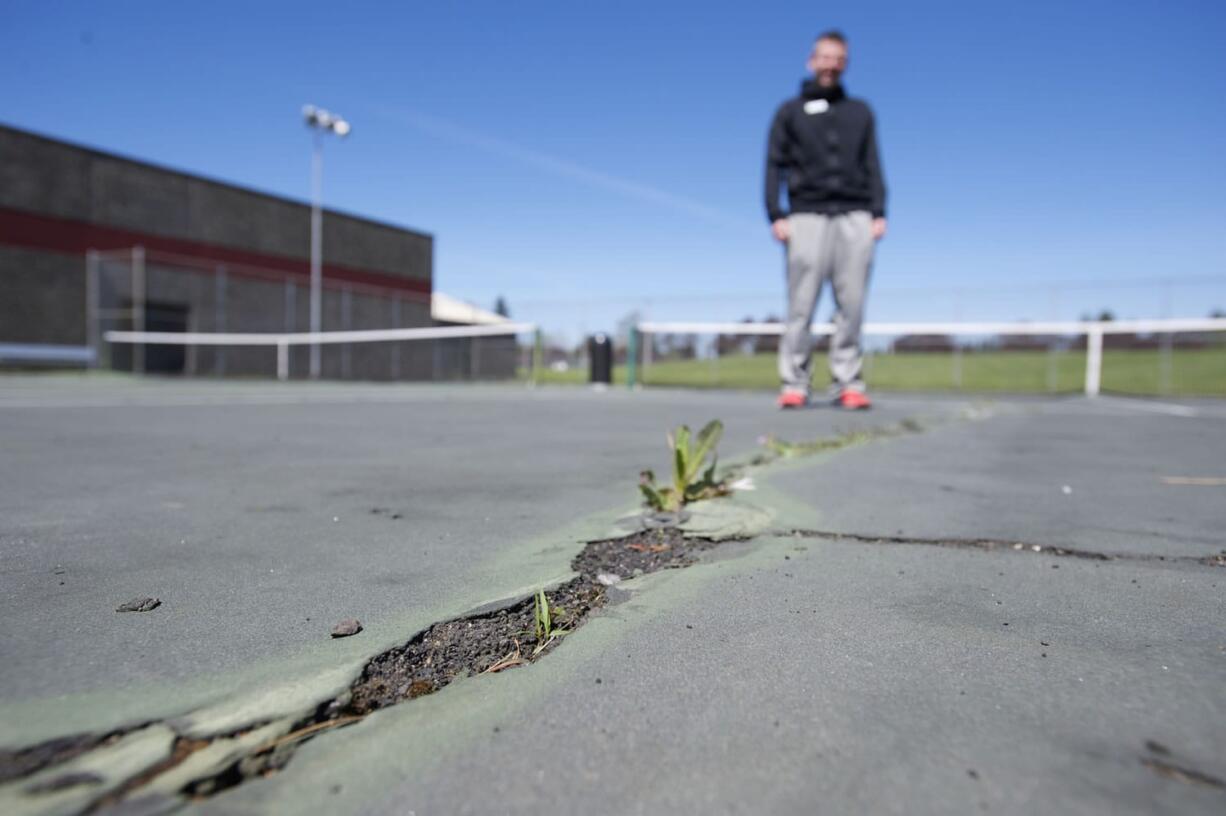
690 481
546 632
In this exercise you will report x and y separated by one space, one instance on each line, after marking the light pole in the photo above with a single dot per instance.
320 122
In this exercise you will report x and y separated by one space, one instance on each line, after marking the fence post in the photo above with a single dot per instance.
219 318
538 355
1052 373
395 349
346 324
138 306
632 358
282 359
648 343
91 305
1094 359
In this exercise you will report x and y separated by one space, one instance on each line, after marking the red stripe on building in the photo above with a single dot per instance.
52 234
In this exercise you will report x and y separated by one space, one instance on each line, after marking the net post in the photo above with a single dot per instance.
282 359
632 358
538 355
1094 359
219 317
138 306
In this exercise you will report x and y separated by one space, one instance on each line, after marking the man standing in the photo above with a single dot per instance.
823 148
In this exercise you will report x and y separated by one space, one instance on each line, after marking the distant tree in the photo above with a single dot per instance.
1106 315
501 308
685 347
1218 313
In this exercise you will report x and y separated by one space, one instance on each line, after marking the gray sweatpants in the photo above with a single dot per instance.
838 247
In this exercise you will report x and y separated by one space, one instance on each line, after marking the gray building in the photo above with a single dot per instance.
91 241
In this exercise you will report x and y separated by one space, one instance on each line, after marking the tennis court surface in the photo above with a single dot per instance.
1016 605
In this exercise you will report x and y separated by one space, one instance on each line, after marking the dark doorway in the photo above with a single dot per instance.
159 359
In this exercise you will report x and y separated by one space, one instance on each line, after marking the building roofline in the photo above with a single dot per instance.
4 126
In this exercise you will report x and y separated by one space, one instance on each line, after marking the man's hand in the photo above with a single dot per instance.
781 229
878 229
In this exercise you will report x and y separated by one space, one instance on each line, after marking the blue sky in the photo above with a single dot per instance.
1044 159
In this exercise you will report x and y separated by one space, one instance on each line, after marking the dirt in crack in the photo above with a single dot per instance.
502 639
486 643
507 637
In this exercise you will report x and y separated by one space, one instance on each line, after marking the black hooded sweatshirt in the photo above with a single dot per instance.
823 148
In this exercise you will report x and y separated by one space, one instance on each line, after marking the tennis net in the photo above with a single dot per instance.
447 353
1147 357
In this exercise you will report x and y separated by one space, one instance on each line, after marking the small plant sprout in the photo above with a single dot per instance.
546 632
691 481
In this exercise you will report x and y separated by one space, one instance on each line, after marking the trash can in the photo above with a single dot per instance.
600 359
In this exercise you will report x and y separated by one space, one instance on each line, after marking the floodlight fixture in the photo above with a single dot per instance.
321 122
325 120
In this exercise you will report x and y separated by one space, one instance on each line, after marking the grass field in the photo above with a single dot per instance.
1191 372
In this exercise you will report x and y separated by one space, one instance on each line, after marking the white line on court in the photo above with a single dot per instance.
1169 408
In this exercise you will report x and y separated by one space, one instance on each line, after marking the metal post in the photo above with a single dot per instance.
1164 353
648 346
538 355
282 360
317 172
632 355
138 306
291 312
91 305
346 314
1053 374
957 361
192 352
1094 360
219 318
395 344
1052 378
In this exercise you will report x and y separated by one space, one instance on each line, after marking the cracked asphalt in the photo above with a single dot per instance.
786 674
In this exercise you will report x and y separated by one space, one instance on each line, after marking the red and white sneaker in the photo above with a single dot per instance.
849 399
792 398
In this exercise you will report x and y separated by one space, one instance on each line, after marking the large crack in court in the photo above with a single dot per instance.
487 642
